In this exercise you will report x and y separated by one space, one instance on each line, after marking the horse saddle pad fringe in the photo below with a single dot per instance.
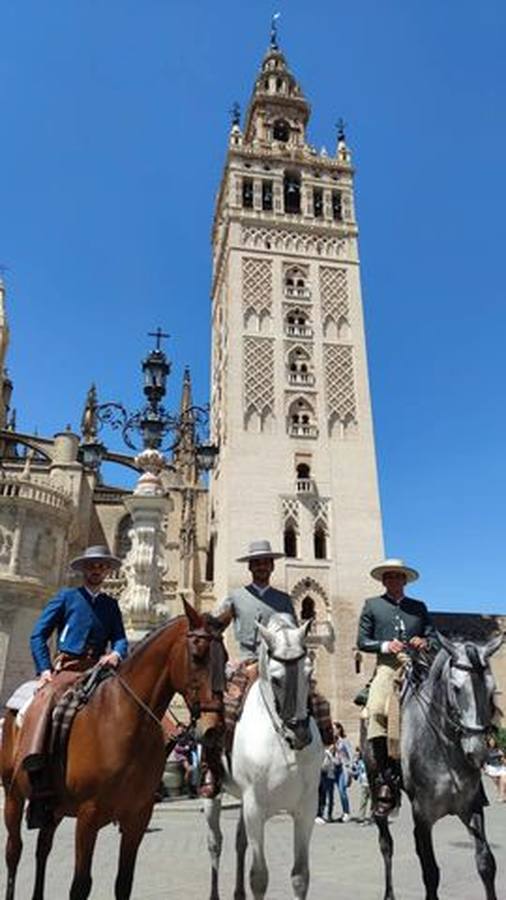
69 704
394 722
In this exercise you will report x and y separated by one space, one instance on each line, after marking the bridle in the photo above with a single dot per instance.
285 726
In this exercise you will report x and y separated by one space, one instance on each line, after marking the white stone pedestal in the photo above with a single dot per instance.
142 601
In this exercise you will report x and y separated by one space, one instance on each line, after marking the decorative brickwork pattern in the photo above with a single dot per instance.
320 507
290 511
334 294
292 242
257 285
339 384
258 369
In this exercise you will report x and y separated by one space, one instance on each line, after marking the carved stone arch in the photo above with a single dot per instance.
251 320
264 321
343 329
330 329
309 595
252 420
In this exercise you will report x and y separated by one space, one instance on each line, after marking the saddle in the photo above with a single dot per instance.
69 705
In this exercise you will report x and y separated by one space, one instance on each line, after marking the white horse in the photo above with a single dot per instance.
276 761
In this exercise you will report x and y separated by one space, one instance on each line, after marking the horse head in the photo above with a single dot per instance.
206 661
285 669
471 690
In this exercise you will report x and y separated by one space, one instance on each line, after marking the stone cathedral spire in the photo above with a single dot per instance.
290 401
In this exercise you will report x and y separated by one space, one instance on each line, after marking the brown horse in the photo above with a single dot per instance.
116 753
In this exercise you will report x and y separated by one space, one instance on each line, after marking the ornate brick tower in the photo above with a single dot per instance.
290 399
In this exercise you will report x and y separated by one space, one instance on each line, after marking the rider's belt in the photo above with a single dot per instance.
76 662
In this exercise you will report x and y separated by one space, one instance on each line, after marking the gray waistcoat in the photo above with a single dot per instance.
248 608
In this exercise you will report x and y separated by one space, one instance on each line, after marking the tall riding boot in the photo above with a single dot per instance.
384 792
40 812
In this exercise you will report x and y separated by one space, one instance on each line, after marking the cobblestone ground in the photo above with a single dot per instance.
345 861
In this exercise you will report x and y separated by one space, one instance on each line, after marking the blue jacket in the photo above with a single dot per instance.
80 623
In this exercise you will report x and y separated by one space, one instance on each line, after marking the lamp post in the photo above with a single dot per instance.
153 424
153 431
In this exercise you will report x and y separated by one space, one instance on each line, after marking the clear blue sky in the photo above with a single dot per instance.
114 124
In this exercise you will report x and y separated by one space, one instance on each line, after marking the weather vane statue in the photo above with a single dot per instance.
274 31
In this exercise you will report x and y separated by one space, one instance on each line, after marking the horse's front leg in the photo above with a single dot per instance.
485 862
44 845
13 813
425 850
212 812
303 823
241 845
87 826
387 851
255 829
132 831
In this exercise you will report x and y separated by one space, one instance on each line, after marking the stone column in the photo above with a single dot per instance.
142 600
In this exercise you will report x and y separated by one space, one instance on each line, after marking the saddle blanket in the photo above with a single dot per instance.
20 700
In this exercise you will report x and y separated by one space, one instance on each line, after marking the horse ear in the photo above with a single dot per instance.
493 645
447 645
194 618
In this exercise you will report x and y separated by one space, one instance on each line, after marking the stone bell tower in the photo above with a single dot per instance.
290 401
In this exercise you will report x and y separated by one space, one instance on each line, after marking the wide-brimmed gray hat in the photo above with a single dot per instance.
394 565
98 553
260 550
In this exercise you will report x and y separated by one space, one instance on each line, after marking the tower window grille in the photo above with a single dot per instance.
247 193
337 206
267 195
318 203
291 187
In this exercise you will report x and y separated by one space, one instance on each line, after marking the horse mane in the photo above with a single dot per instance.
148 640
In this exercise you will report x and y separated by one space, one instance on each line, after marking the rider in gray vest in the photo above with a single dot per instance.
256 602
246 607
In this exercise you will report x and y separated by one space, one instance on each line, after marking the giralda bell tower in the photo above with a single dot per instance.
290 401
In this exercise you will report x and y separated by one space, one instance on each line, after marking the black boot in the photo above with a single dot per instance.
385 791
40 812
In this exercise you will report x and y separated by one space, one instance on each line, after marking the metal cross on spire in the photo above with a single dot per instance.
159 335
274 31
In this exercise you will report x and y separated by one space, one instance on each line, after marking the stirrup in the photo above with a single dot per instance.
39 815
385 801
210 786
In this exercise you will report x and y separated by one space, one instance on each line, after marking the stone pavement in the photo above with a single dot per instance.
345 861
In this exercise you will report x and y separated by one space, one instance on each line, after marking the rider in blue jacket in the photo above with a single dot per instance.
89 631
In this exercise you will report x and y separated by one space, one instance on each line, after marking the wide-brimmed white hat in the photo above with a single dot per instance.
260 550
394 565
98 553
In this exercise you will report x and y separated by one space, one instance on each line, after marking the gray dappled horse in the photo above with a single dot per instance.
444 723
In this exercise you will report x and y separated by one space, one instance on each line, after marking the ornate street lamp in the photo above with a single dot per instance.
157 428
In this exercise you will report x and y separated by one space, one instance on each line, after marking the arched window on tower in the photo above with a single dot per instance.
308 610
210 560
320 542
281 130
295 283
290 541
291 186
